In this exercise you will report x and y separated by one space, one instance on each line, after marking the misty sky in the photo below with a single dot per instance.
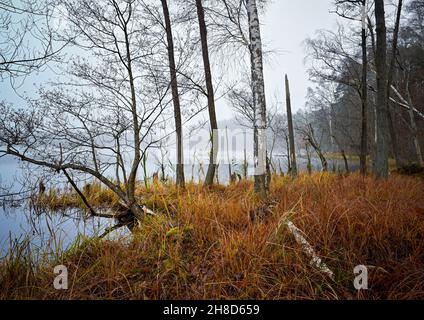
285 26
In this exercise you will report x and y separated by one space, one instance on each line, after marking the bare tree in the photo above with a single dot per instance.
413 125
210 94
309 136
364 95
260 145
103 113
393 135
27 37
381 165
292 150
175 95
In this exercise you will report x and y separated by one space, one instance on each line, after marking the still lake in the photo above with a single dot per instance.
59 230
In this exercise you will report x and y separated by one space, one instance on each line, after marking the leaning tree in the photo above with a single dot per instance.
99 120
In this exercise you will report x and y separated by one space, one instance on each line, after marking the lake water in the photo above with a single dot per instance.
59 230
46 231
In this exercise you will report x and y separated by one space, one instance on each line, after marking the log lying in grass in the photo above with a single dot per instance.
307 248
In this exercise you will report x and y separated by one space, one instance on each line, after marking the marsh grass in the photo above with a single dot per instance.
204 244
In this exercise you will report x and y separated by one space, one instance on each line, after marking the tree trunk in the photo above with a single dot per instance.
79 192
392 131
175 96
245 164
136 128
346 163
393 136
314 143
292 152
231 177
381 165
260 145
210 92
414 129
288 154
309 162
364 96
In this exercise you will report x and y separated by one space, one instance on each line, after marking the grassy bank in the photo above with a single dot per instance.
221 243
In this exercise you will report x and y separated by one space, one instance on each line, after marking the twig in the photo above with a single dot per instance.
113 228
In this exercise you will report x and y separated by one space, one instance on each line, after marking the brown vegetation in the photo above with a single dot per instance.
205 246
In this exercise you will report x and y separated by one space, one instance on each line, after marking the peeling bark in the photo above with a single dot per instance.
258 83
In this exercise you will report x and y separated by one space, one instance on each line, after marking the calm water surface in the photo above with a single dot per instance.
59 230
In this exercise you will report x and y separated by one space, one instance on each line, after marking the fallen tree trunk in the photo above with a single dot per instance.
306 247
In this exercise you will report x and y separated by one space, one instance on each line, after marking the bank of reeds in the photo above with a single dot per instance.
221 243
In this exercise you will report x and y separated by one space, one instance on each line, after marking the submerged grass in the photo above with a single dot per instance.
206 244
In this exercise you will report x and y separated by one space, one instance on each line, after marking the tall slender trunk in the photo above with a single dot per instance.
175 96
288 154
211 98
132 204
230 173
393 136
414 129
372 100
392 131
260 145
364 96
346 163
292 152
313 142
309 162
245 164
381 165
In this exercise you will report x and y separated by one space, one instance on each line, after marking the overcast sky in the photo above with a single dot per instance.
285 25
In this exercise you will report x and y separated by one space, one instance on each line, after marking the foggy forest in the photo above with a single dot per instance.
170 150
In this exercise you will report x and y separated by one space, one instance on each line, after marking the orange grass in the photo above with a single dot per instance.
205 246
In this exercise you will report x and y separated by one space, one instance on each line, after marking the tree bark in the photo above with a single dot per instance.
313 142
292 151
392 131
231 177
381 165
414 129
80 194
364 96
136 130
210 92
180 180
288 154
346 163
260 144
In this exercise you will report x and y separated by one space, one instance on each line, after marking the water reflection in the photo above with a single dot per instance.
58 230
52 231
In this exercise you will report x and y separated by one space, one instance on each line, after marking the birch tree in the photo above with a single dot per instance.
258 83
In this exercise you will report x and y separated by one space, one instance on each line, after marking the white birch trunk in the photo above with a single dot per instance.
258 94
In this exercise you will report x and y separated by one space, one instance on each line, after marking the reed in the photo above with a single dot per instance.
205 244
